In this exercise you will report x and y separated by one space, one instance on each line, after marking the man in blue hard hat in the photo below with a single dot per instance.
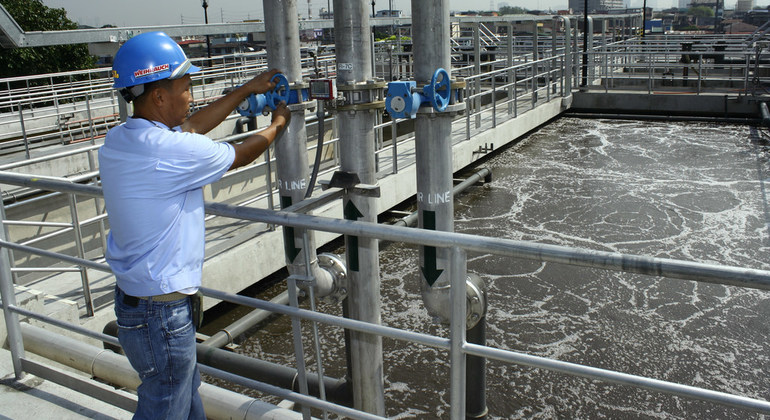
153 168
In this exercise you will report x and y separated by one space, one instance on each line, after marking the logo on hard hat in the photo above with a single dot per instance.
115 75
151 70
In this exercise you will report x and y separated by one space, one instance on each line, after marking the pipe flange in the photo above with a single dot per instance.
336 267
301 106
476 295
458 84
362 107
368 85
450 109
299 85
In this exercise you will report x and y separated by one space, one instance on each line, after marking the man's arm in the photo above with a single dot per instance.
210 116
256 144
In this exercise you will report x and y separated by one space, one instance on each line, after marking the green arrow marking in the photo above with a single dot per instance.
288 235
430 271
352 213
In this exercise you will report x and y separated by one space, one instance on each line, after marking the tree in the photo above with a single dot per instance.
33 15
508 10
701 11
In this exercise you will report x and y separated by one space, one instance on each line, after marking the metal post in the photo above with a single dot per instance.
535 64
81 253
700 72
23 131
15 343
476 68
457 334
357 147
509 64
588 41
567 91
575 47
205 5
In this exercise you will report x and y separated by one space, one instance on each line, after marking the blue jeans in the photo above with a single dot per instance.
159 341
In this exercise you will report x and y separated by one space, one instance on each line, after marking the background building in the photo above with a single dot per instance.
744 6
595 5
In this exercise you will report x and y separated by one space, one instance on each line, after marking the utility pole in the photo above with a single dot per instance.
205 5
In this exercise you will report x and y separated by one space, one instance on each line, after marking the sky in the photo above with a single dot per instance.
174 12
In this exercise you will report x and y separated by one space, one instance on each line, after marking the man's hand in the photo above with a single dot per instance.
262 82
281 116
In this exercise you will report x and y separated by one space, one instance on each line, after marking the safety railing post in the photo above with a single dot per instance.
23 130
494 100
468 112
649 73
746 74
516 94
316 338
98 202
15 343
509 65
299 354
394 136
90 118
477 71
700 72
81 253
457 332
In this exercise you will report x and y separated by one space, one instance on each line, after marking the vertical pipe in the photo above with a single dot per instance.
434 153
357 148
282 34
15 343
476 378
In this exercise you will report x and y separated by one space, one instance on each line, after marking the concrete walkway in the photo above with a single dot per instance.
34 398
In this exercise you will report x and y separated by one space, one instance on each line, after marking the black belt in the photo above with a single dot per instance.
133 301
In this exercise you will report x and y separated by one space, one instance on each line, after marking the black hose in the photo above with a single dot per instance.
318 150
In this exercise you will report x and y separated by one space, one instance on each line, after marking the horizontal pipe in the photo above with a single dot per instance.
337 390
411 220
115 369
226 335
285 377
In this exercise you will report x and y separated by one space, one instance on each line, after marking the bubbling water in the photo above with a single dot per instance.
685 191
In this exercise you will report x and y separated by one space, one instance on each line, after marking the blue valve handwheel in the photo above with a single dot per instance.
280 92
439 90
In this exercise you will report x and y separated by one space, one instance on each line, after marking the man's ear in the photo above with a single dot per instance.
157 95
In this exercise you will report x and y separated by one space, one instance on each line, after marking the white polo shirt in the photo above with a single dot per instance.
153 179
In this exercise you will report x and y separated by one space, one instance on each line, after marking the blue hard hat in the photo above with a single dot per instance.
149 57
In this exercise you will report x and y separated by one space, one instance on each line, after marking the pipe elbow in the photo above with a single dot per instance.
437 301
330 277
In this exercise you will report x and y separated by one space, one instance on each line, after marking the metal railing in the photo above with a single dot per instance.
501 91
70 107
497 94
460 245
